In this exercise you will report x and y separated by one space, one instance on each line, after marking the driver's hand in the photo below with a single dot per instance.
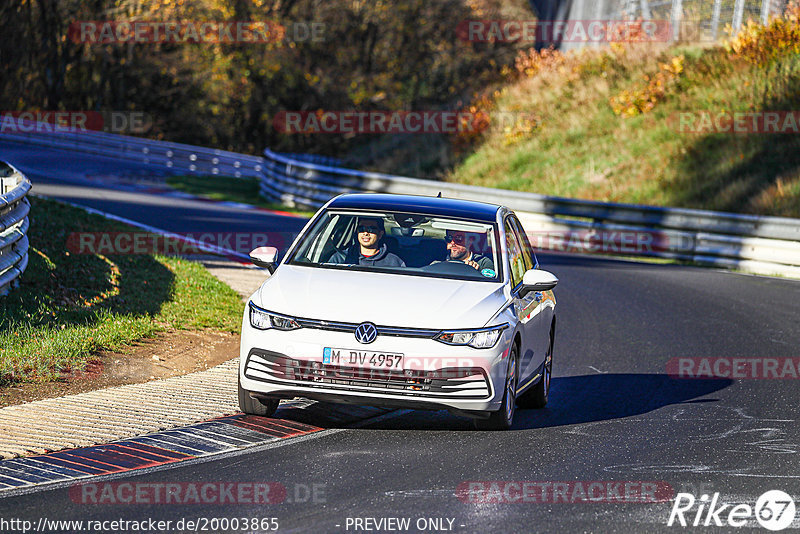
473 264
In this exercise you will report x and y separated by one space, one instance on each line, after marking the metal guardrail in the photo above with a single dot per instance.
314 158
165 158
14 209
763 245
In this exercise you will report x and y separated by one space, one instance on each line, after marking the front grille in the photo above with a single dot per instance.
455 382
336 326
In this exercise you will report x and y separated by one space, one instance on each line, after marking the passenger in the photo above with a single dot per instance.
459 248
369 249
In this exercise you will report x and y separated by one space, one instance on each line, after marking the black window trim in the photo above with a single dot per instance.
507 224
290 258
524 241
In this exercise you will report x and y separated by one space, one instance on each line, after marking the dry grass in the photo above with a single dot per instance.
583 147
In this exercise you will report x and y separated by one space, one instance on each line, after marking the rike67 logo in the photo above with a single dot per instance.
774 510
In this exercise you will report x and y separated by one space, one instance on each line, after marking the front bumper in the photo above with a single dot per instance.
433 375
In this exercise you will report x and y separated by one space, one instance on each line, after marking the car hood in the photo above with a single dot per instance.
381 298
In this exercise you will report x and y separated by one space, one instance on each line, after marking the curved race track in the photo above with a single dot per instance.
614 414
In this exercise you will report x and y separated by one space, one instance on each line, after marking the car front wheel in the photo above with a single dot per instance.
503 418
538 395
251 406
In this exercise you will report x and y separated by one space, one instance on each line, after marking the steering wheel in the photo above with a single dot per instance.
456 267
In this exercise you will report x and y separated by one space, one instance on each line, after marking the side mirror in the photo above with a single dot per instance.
266 257
537 280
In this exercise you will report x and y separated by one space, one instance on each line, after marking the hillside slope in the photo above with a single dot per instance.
630 123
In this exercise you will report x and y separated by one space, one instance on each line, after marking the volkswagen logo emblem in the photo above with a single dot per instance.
366 333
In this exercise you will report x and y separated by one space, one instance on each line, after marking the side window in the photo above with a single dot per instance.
515 257
527 250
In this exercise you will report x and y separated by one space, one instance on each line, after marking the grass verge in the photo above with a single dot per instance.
244 190
69 306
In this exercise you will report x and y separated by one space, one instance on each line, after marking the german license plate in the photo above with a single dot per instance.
362 358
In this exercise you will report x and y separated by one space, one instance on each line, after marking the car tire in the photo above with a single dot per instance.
251 406
503 418
538 395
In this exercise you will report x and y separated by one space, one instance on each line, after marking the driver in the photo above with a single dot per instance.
369 249
459 248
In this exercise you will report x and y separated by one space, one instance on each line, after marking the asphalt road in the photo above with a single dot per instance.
614 413
114 186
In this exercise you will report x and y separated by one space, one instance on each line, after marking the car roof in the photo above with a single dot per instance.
445 207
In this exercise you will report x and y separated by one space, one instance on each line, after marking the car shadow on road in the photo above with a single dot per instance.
602 397
577 400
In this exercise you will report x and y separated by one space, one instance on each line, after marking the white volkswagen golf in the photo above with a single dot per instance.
402 301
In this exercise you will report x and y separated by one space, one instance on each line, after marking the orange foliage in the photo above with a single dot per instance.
478 112
760 44
642 99
531 62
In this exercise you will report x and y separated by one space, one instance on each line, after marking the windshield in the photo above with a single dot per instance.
401 243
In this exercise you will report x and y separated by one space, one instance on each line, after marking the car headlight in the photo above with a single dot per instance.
264 320
482 338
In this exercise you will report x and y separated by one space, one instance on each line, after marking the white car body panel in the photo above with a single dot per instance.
381 298
397 301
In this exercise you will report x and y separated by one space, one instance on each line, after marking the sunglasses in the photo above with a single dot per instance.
458 239
362 229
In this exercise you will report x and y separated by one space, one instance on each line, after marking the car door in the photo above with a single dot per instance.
543 310
524 307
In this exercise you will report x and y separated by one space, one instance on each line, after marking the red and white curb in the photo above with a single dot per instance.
194 441
209 438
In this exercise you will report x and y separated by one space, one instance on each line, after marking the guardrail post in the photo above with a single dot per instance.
715 19
8 183
629 11
599 14
5 185
738 14
675 19
646 14
765 5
